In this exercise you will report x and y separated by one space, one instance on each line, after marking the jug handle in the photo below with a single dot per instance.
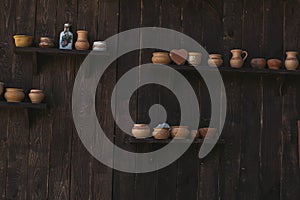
246 55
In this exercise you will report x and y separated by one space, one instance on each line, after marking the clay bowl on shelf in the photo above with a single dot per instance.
195 134
274 64
46 42
161 58
1 88
208 132
161 133
180 132
259 63
141 131
36 96
23 40
14 95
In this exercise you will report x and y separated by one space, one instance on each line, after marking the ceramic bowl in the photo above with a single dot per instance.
208 132
161 133
274 64
23 40
259 63
161 58
14 95
215 60
46 42
180 132
141 131
36 96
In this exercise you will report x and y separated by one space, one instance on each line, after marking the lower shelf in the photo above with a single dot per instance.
133 140
40 106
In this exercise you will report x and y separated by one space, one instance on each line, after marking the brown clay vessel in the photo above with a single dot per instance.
274 64
208 132
14 95
161 133
180 132
291 62
259 63
36 96
141 131
161 58
215 60
82 42
237 61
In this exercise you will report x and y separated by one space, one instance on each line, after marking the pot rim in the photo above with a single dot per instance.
195 53
180 127
82 31
160 52
139 125
14 90
215 54
36 91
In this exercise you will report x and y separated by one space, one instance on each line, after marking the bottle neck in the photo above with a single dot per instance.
66 29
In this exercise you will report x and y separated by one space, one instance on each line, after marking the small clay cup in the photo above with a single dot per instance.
36 96
274 64
141 131
161 133
161 58
14 95
180 132
259 63
208 132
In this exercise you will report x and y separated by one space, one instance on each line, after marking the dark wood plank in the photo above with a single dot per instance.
251 132
17 166
232 38
3 152
271 150
124 183
290 181
23 105
133 140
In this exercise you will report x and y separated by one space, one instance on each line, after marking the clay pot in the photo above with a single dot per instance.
36 96
14 95
82 42
208 132
99 46
23 40
237 61
179 57
141 131
291 62
195 58
259 63
46 42
161 133
274 64
1 88
215 60
180 132
195 134
161 58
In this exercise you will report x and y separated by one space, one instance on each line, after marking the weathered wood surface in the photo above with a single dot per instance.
42 157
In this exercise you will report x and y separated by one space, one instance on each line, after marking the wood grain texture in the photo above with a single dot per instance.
290 188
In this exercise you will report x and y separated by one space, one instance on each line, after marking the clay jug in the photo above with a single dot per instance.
237 61
291 62
82 42
36 96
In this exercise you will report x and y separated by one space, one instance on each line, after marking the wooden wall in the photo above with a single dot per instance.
41 156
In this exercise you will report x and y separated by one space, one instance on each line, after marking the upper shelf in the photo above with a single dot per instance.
57 52
54 51
40 106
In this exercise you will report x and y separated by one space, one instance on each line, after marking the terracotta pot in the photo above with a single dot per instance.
215 60
46 42
161 58
179 57
274 64
291 62
237 61
23 40
141 131
208 132
82 42
259 63
14 95
1 88
99 46
195 134
161 133
36 96
180 132
195 58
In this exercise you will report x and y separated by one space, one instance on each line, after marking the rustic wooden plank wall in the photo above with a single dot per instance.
42 157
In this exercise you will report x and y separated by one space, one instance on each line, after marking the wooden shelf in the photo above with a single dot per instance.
40 106
55 51
246 69
133 140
